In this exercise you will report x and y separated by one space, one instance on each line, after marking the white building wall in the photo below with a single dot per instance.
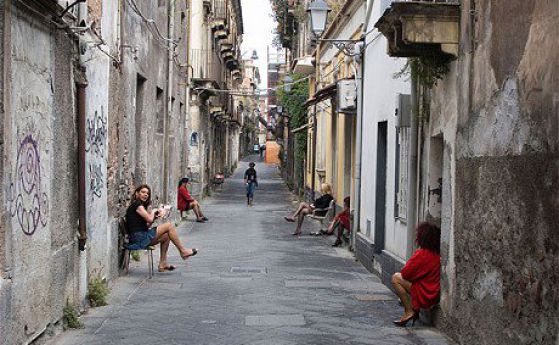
379 103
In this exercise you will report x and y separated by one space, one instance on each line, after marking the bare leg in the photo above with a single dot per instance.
301 207
164 248
300 219
403 288
195 206
169 230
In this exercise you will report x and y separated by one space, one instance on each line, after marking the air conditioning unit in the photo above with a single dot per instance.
403 110
347 96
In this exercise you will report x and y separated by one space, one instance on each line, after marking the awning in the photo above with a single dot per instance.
328 91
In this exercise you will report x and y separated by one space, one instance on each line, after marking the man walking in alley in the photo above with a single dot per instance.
251 182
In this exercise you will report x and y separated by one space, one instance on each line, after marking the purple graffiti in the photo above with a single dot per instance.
26 201
96 134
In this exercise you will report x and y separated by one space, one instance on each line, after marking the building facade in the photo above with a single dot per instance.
99 97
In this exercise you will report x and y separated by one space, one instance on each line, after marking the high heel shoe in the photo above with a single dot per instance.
404 322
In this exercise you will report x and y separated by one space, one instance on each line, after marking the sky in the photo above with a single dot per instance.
259 29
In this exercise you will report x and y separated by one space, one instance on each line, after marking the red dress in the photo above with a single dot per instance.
423 270
184 199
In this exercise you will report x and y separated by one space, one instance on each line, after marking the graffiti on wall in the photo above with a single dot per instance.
96 137
26 201
96 179
96 134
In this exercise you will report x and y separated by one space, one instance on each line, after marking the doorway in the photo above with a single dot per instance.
380 192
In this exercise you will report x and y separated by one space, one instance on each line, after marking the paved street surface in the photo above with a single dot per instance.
251 283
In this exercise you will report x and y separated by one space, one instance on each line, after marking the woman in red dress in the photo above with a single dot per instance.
418 285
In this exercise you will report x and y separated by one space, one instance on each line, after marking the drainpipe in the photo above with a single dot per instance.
356 202
412 167
81 84
313 172
171 45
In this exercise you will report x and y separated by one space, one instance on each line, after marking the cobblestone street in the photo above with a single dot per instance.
251 283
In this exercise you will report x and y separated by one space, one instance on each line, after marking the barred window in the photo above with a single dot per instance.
401 183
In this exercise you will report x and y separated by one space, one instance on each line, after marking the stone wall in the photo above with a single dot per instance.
39 211
500 261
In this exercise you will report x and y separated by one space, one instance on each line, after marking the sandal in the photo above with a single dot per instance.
289 219
166 268
194 252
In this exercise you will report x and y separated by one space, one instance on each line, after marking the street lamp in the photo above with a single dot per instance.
318 10
287 80
318 14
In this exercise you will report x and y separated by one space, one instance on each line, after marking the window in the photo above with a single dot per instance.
194 139
160 111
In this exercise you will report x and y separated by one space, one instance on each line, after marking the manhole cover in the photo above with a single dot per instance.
248 270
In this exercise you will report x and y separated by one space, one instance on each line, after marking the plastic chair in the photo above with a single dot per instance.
326 216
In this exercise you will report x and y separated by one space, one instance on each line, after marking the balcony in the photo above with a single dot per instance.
421 28
219 15
206 68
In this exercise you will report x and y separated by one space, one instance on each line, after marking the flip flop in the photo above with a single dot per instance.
289 219
166 268
194 252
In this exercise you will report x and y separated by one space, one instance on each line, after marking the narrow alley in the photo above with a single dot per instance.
251 283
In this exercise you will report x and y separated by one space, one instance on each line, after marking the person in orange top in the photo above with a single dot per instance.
418 285
186 202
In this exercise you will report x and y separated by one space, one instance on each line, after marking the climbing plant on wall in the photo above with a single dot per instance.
293 103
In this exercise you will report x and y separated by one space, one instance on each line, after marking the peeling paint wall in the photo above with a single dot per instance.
498 111
39 150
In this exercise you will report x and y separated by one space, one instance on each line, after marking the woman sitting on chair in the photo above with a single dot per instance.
139 221
304 209
418 285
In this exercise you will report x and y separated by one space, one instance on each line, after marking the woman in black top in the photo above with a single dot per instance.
139 222
321 203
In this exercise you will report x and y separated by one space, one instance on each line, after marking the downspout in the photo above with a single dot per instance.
313 172
359 71
171 49
359 81
411 215
81 84
189 72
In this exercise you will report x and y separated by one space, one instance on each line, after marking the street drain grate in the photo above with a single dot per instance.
261 270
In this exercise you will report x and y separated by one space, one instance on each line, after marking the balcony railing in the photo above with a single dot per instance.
219 9
205 65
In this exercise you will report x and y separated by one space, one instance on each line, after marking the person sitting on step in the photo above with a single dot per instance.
418 285
139 223
186 202
304 209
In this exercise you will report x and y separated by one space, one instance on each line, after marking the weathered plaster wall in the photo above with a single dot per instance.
379 103
505 244
38 180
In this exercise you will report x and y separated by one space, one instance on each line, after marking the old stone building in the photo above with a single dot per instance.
486 158
96 99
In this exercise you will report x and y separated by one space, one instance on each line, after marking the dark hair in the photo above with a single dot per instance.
183 180
251 164
346 201
148 201
428 237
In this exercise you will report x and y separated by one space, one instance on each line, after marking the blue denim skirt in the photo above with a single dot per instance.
141 239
